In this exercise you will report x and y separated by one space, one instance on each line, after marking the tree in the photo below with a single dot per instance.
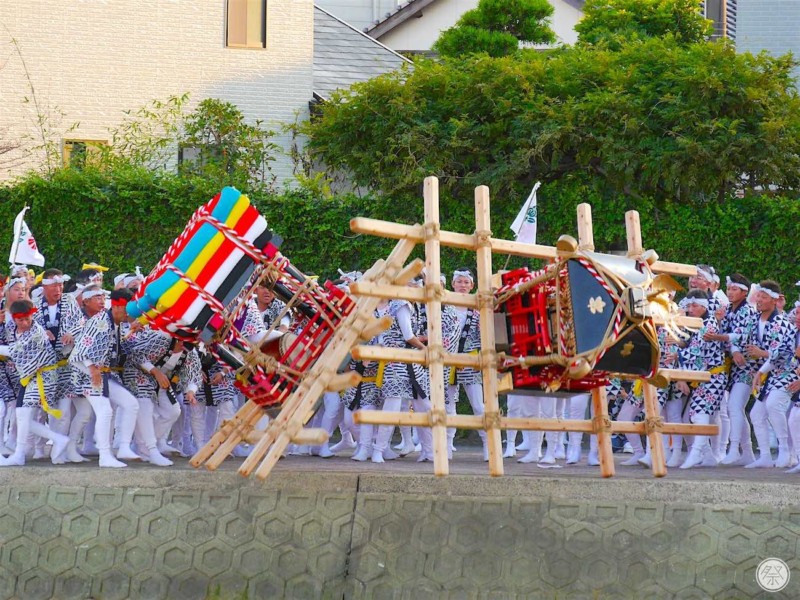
496 27
229 150
614 23
655 117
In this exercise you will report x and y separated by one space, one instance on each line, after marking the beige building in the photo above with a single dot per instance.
90 60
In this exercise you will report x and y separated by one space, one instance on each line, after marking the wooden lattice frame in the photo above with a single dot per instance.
387 279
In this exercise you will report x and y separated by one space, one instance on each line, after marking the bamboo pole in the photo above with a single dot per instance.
230 433
483 240
585 230
406 419
652 415
411 294
602 428
681 375
409 355
433 289
467 242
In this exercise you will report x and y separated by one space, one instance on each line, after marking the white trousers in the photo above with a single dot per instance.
771 411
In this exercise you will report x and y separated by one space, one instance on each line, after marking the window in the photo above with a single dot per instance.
247 24
79 153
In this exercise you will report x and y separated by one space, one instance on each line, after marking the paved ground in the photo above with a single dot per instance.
468 461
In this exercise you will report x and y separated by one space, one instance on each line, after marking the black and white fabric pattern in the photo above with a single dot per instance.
30 353
366 393
740 323
779 339
469 340
98 344
701 355
401 380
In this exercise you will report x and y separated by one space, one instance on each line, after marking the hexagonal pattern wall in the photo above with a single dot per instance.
189 534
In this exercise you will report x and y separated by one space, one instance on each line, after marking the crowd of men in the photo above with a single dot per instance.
78 379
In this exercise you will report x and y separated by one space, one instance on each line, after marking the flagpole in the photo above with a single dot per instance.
17 232
519 221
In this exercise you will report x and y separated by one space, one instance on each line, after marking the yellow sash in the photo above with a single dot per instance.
40 385
723 368
452 379
378 379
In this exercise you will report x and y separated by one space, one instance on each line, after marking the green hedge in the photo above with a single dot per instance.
130 217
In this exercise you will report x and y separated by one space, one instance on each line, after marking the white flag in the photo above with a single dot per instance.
524 226
24 250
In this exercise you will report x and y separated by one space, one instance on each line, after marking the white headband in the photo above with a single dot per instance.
466 274
768 292
86 295
732 284
55 279
130 279
352 275
705 274
14 281
119 278
699 301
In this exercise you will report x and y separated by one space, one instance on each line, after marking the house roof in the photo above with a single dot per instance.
413 8
410 9
343 55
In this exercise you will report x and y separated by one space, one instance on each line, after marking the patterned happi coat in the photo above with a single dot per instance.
780 340
68 319
151 346
366 393
670 392
402 380
468 341
249 321
215 394
30 352
9 378
700 355
740 324
272 312
100 343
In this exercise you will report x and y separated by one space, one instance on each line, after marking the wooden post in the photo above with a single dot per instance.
585 230
491 404
601 427
654 436
634 232
433 289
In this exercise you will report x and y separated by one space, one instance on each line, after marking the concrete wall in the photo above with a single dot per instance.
92 59
80 532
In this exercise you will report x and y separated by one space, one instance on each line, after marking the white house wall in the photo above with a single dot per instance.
419 34
93 59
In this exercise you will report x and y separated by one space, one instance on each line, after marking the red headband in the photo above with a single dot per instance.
25 314
119 302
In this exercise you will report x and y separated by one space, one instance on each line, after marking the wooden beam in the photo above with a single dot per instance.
411 294
448 238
